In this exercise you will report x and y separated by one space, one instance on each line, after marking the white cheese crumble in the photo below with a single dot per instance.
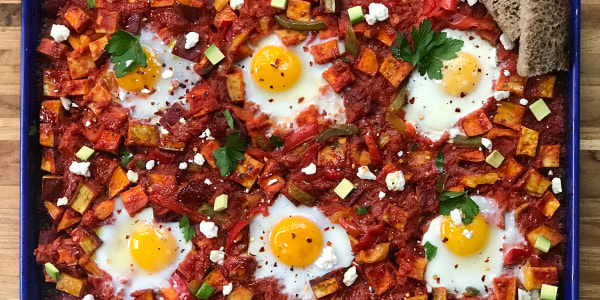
523 102
523 295
381 195
486 143
310 169
508 45
471 2
400 153
199 159
227 289
377 12
327 260
209 229
150 164
147 91
501 95
556 185
59 33
182 121
456 216
550 173
162 129
395 181
207 181
506 73
191 39
365 173
66 102
80 168
183 165
217 256
88 124
236 4
350 276
206 135
272 181
62 201
122 95
88 297
132 176
167 74
467 233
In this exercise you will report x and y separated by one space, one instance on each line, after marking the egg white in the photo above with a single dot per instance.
434 112
296 280
114 257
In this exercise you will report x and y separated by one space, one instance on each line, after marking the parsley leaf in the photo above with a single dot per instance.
430 48
228 118
33 130
344 59
361 210
187 229
127 52
127 157
276 141
439 161
91 3
228 155
453 200
430 251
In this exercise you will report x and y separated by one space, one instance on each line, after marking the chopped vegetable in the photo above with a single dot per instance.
187 229
127 52
228 118
430 49
228 155
276 141
85 153
440 183
548 292
356 14
214 55
205 291
127 157
467 141
300 195
453 200
471 291
362 210
351 42
495 159
91 4
430 251
286 23
281 4
338 130
344 188
542 244
539 109
221 202
439 161
52 271
33 130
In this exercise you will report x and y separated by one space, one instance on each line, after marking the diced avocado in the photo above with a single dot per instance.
52 271
214 55
281 4
495 159
355 14
539 109
85 153
205 291
220 202
344 188
542 244
548 292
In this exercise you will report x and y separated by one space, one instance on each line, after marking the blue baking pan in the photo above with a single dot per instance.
30 274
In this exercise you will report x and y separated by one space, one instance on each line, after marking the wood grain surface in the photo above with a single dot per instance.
10 17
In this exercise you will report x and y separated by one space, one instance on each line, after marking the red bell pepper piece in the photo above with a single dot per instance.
373 149
180 286
235 231
304 134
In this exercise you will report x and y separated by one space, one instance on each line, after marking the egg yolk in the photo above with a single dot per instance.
275 69
296 241
142 77
460 75
464 243
152 249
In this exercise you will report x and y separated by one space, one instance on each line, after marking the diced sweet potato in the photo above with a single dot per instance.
500 132
170 142
207 151
510 170
236 88
70 284
367 62
548 205
549 156
418 297
84 195
512 83
107 21
247 171
541 86
88 241
394 70
225 17
79 87
69 218
202 99
140 134
161 3
505 288
550 234
418 268
169 293
104 209
48 163
97 47
379 276
396 217
79 43
271 184
473 181
326 287
534 183
325 52
90 266
386 35
54 211
379 252
219 4
527 143
216 279
290 37
333 154
238 45
440 293
51 111
77 18
80 64
339 75
134 200
472 156
46 134
241 293
101 98
194 3
510 115
298 10
535 277
52 49
476 123
53 82
109 141
332 26
118 182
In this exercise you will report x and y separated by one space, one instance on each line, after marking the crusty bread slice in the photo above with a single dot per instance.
544 43
506 14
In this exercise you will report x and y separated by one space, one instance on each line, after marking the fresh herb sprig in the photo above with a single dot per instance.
461 200
439 161
228 155
228 118
430 48
430 251
187 229
127 52
362 210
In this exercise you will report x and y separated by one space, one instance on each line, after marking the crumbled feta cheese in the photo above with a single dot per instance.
486 143
365 173
501 95
163 130
400 153
199 159
236 4
272 181
150 164
377 12
74 105
132 176
556 185
227 289
395 181
128 63
207 181
80 168
456 216
122 95
350 276
206 135
508 45
471 2
88 297
310 169
62 201
381 195
467 233
506 73
191 39
59 33
209 229
183 165
217 256
327 260
523 102
182 120
523 295
550 173
370 19
167 74
88 123
66 102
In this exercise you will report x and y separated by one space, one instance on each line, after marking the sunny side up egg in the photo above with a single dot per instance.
469 255
138 252
435 106
296 244
284 81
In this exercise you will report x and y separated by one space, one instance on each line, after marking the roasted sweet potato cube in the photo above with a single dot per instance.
161 3
332 26
79 87
170 142
367 62
290 37
77 18
510 115
54 81
541 86
169 293
474 180
107 21
379 276
394 70
237 44
52 49
236 88
51 111
225 17
118 182
48 163
216 279
70 284
80 64
440 293
69 218
476 123
87 240
271 184
418 268
247 171
339 75
97 47
241 293
134 200
46 134
505 288
325 288
202 99
534 183
104 209
207 151
549 156
140 134
84 195
550 234
535 277
510 170
325 52
396 217
499 132
512 83
386 35
418 158
90 266
194 3
527 143
54 211
378 252
472 156
418 297
109 141
298 10
548 205
333 154
79 43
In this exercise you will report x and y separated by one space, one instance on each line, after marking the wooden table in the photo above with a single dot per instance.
10 20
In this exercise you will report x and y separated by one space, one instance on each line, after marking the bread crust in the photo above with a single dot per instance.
506 14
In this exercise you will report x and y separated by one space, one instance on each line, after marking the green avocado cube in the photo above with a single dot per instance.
344 188
221 202
356 14
52 271
495 159
542 244
548 292
281 4
85 153
214 55
539 109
